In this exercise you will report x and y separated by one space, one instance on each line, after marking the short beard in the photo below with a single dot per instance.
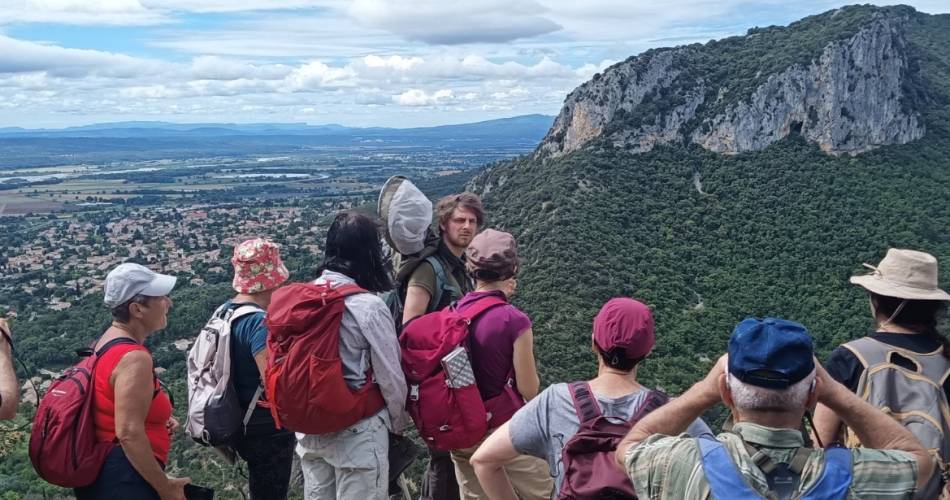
456 243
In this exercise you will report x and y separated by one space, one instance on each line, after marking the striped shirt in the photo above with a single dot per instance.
664 467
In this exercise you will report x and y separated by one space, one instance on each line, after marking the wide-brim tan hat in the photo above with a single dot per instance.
904 274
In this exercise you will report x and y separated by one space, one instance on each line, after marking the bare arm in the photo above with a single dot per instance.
132 382
526 370
873 427
489 461
9 387
675 417
260 359
417 301
827 425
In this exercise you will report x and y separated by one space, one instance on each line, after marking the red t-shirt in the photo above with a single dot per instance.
104 404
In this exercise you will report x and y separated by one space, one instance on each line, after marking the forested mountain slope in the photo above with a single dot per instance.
805 151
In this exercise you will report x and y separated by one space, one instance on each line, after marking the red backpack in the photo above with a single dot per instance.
63 446
590 471
449 418
304 376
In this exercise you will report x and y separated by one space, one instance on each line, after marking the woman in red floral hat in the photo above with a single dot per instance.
268 451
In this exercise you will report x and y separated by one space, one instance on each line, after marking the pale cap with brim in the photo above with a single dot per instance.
904 274
130 279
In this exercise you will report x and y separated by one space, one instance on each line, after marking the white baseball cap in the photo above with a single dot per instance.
128 280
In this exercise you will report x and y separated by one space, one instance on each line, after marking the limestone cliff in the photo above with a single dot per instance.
845 93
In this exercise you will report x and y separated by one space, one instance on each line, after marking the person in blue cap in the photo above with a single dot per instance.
770 379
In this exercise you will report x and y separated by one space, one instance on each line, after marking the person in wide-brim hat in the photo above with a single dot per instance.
906 302
904 274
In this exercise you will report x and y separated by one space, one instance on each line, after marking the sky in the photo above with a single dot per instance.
393 63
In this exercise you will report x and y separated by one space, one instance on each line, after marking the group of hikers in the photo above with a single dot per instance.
335 370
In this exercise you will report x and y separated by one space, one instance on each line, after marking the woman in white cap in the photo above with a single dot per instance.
903 366
129 405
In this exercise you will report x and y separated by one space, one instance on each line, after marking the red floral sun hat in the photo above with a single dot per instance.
257 266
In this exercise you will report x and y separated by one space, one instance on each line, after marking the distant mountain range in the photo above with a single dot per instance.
134 141
529 127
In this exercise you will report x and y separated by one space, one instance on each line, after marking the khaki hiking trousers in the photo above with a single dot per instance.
529 476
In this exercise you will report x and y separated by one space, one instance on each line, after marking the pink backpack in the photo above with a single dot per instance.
590 471
449 418
63 446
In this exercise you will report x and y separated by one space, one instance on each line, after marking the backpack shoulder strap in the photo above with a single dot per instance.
721 472
114 342
585 404
440 281
348 289
480 306
243 310
653 400
329 292
835 478
869 352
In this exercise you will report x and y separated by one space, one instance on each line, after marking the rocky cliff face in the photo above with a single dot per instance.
848 99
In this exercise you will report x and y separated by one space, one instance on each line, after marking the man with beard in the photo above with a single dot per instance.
460 216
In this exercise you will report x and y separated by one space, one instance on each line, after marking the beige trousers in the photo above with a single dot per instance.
349 464
530 476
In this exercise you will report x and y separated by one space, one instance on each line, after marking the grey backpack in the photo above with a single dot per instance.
915 398
215 417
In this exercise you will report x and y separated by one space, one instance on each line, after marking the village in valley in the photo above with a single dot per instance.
70 256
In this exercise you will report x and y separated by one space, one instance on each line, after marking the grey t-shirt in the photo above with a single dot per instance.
543 426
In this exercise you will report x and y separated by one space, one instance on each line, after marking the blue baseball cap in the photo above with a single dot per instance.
771 352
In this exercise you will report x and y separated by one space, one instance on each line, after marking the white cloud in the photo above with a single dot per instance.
84 6
316 74
48 82
140 12
450 23
467 67
218 68
18 56
79 12
203 6
392 62
510 93
148 92
418 97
